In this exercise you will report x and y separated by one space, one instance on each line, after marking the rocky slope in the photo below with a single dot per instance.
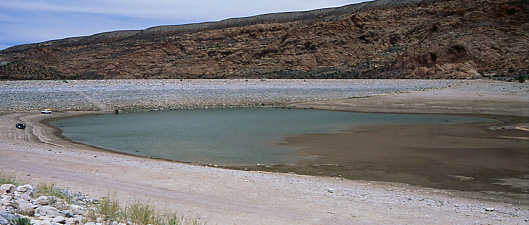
380 39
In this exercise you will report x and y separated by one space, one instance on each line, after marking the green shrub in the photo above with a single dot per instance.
21 221
139 213
109 210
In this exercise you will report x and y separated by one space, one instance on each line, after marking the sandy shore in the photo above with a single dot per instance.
221 196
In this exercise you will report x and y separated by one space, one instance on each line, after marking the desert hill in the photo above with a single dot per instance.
380 39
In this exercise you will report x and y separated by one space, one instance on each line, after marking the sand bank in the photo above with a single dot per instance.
223 196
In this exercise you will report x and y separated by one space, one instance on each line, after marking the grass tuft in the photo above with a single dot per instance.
139 213
8 179
109 210
21 221
51 190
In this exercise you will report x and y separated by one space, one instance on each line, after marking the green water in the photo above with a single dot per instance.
222 136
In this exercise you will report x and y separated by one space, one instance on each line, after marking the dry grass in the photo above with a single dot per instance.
8 179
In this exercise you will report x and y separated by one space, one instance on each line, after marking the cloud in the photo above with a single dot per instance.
28 21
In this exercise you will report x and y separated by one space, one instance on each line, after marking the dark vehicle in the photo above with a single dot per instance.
21 126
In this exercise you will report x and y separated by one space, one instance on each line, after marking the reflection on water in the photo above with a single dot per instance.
222 136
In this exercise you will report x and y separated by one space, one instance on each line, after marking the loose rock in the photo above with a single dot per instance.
7 188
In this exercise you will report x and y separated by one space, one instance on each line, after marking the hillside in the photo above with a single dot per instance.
380 39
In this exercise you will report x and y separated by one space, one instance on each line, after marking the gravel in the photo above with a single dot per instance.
136 95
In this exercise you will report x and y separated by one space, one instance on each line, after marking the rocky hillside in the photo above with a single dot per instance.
380 39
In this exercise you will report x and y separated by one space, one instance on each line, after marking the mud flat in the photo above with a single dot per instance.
223 196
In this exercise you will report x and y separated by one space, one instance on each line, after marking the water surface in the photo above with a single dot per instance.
223 136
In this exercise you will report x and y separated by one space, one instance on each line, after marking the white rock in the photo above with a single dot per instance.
77 210
3 220
10 204
26 197
45 223
25 188
490 209
48 211
72 220
58 219
26 208
7 188
42 200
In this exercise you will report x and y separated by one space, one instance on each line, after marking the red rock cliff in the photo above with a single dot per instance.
381 39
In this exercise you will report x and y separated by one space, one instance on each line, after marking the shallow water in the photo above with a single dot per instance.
230 137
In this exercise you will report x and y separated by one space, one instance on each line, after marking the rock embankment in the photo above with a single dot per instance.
24 203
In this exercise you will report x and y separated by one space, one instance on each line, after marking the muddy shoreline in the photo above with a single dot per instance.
465 157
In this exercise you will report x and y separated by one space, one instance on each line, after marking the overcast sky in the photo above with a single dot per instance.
31 21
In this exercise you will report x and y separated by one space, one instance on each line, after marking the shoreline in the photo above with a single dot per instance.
239 197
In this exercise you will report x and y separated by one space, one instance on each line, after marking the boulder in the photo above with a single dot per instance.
59 219
10 204
48 211
42 222
26 208
25 197
25 188
3 221
77 210
7 188
6 216
42 200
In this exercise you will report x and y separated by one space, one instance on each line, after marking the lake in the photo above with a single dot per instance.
229 137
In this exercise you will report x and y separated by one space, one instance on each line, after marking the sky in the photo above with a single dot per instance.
32 21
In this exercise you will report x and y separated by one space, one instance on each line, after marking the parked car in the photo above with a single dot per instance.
21 126
46 111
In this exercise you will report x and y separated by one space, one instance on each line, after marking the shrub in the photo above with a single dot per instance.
8 179
21 221
109 210
139 213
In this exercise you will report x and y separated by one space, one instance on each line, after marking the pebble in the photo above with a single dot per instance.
132 95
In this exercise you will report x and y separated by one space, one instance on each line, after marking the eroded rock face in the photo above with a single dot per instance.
407 39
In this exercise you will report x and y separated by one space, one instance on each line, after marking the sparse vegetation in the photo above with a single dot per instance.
8 179
107 209
110 211
21 221
51 190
